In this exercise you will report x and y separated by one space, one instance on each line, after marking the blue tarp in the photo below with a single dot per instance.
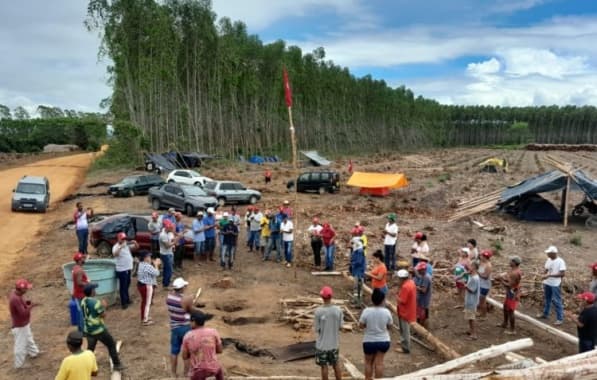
261 159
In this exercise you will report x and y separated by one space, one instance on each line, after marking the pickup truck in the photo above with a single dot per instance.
186 198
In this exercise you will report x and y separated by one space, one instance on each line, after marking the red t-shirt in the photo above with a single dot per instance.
201 343
78 292
407 301
327 234
20 312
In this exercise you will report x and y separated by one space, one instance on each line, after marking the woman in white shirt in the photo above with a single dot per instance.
419 247
316 242
376 321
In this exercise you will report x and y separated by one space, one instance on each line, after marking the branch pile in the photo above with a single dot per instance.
563 147
300 312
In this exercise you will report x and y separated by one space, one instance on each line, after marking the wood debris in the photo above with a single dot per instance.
476 205
300 312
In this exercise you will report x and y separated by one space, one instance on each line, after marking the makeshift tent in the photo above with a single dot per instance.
378 184
315 158
533 207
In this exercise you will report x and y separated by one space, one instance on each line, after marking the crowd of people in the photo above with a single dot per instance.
410 281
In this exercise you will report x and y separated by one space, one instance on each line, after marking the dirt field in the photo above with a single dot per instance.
438 179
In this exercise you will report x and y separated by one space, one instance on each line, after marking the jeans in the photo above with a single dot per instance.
275 243
124 281
316 247
254 239
24 345
199 248
389 256
227 257
552 294
167 271
404 334
288 251
330 250
108 341
209 245
81 320
82 236
221 240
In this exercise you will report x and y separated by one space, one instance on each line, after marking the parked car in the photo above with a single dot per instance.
103 233
187 177
187 198
32 193
320 181
231 192
135 185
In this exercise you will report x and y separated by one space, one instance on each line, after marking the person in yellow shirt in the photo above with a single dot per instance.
265 231
80 364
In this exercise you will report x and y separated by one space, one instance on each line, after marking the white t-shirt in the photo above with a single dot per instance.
315 229
165 239
393 229
286 228
82 221
124 259
421 248
554 267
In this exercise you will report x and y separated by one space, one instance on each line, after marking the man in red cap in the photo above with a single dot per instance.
154 227
20 313
124 266
423 283
80 279
327 325
586 322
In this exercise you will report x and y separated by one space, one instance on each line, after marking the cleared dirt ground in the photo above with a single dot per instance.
438 179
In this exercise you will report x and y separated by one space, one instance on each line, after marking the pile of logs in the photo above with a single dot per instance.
300 312
476 205
564 147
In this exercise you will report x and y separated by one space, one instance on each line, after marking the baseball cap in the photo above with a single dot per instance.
551 249
210 210
486 253
418 236
392 216
587 296
89 288
326 292
23 284
421 266
286 202
171 210
516 259
200 213
402 273
121 236
74 338
179 283
78 256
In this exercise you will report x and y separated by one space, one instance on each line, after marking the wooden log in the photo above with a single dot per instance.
559 333
351 315
351 368
326 273
484 354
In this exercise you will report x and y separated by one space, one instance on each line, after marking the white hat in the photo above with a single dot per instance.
225 214
179 283
402 273
286 202
551 249
200 213
210 210
466 250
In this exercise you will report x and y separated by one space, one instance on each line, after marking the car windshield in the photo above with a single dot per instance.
30 188
129 180
210 185
193 191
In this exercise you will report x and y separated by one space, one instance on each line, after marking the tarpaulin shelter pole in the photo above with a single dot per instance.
288 98
566 192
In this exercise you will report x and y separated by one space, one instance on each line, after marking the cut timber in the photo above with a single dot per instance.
115 374
559 333
326 273
474 357
351 368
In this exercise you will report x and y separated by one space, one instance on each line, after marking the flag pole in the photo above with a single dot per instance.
288 98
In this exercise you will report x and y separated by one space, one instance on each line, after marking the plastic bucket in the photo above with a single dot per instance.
99 271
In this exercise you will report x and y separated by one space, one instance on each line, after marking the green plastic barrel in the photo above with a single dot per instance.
99 271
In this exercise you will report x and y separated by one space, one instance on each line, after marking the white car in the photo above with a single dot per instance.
187 177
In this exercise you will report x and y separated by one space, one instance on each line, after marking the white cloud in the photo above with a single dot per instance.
481 69
529 61
509 6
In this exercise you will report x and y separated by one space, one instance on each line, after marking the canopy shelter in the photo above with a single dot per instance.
378 184
315 158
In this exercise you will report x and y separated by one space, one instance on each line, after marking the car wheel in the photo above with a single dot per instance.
321 190
253 200
189 210
170 181
198 184
131 193
104 249
149 166
155 204
222 201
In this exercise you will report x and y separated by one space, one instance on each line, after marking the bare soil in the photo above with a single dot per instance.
249 311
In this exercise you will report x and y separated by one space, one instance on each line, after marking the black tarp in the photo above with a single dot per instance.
534 207
175 160
586 184
159 161
123 224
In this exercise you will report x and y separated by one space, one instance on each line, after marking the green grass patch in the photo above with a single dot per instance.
576 240
444 177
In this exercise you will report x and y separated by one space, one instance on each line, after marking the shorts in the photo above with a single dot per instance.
176 335
422 313
484 292
460 285
470 315
372 348
328 357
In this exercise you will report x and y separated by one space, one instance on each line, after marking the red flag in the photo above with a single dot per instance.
287 90
350 166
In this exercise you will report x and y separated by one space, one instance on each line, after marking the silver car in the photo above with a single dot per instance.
32 193
231 192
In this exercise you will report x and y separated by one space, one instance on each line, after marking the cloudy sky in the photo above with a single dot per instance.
500 52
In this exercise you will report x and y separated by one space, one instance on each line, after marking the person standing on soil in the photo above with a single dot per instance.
82 226
471 300
461 272
327 324
555 269
267 176
473 251
593 284
419 247
286 209
378 273
358 231
20 314
328 235
124 266
390 241
357 268
485 282
314 231
199 237
254 229
95 329
229 233
287 229
169 216
80 279
377 321
265 232
147 275
511 281
586 322
155 227
180 242
275 239
406 304
209 222
424 287
80 364
201 346
166 252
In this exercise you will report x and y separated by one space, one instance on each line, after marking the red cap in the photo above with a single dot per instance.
250 208
487 253
326 292
587 296
121 236
78 256
593 266
154 215
357 230
23 284
418 236
421 266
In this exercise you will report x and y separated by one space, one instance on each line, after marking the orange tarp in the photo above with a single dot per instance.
378 180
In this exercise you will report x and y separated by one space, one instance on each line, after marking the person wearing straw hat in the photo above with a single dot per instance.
555 269
327 324
80 364
586 322
20 314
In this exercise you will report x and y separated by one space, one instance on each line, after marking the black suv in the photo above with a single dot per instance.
320 181
135 185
